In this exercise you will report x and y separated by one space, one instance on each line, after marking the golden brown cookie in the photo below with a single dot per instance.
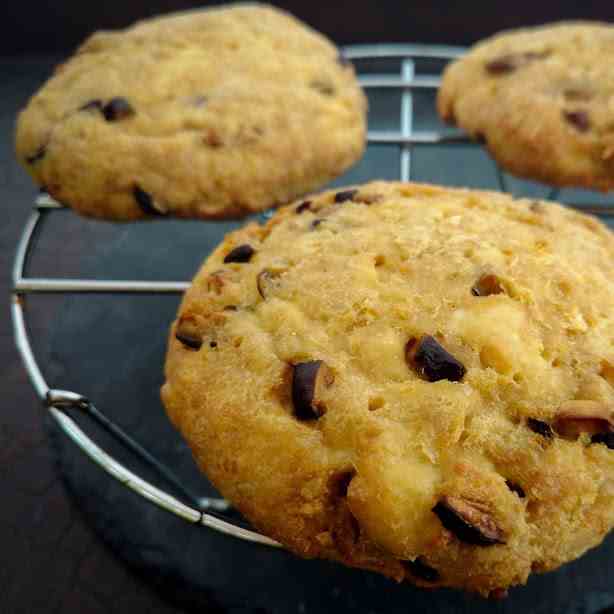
212 113
542 100
409 379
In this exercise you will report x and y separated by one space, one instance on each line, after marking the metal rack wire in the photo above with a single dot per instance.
63 404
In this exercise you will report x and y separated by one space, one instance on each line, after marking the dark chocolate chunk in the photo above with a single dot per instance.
213 344
487 285
421 570
576 417
341 197
577 94
470 521
502 65
241 253
268 280
212 138
345 530
198 100
540 427
308 378
578 119
510 62
432 361
535 55
187 332
92 105
315 223
515 488
339 483
117 109
39 154
324 87
304 206
145 201
605 438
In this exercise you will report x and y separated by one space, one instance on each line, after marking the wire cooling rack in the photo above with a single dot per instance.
210 512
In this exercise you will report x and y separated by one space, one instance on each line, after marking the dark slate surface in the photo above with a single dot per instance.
111 349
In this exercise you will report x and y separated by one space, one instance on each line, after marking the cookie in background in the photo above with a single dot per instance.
208 114
541 100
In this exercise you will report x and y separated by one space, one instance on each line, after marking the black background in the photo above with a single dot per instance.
51 560
28 26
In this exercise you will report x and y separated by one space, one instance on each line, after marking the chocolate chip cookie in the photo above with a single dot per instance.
409 379
212 113
542 101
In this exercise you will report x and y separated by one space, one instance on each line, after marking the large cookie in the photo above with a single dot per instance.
213 113
409 379
542 100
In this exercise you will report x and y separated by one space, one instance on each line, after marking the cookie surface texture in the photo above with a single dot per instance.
212 113
408 379
542 101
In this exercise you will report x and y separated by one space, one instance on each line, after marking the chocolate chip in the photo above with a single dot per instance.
341 197
540 427
304 206
117 109
508 63
186 331
576 417
212 138
308 378
578 119
92 105
213 344
268 280
39 154
515 488
198 100
535 55
605 438
241 253
577 94
339 483
147 204
502 65
432 361
470 521
368 199
487 285
324 87
231 308
421 570
345 530
315 223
